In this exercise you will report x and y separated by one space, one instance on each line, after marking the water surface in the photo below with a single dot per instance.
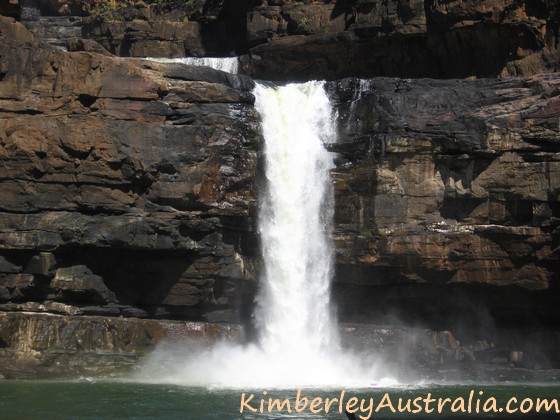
89 399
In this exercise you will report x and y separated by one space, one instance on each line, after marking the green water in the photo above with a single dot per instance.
122 400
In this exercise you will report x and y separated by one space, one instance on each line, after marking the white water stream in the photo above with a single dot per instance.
227 64
295 223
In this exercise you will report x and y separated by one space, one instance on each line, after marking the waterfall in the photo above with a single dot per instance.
298 344
354 122
227 64
295 221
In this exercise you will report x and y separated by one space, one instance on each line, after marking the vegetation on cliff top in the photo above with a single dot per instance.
106 7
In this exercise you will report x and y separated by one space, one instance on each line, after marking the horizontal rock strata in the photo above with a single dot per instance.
62 346
127 187
332 40
289 40
448 199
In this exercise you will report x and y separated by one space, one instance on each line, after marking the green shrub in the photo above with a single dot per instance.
162 6
102 8
105 7
303 24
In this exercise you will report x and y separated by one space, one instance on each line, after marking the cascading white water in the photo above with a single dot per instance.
298 344
362 86
295 222
227 64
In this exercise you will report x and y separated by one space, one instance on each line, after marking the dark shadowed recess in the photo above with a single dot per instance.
493 321
225 35
7 8
163 283
127 282
439 305
480 50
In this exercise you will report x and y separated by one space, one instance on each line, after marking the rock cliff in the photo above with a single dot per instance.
447 200
412 38
129 187
322 39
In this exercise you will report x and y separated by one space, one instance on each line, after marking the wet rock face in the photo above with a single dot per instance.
65 346
414 353
34 345
127 186
445 190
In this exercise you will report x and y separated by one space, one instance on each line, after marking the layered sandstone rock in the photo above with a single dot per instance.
288 40
61 346
403 39
128 187
198 28
445 190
